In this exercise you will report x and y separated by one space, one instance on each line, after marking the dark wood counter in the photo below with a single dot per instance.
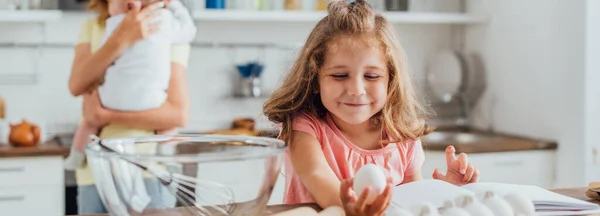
577 193
50 148
498 142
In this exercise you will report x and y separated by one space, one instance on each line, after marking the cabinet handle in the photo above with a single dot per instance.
12 198
509 163
12 169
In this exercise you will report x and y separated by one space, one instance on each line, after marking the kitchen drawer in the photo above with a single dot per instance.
519 167
38 200
31 171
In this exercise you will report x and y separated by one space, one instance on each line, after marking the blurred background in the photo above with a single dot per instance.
512 83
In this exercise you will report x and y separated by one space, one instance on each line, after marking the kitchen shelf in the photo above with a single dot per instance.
307 16
29 15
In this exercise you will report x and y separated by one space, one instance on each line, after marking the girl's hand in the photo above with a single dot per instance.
358 206
459 171
138 23
93 112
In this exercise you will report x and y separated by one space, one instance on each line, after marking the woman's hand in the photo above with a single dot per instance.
138 23
93 112
459 171
358 206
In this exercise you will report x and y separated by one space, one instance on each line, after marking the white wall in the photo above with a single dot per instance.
211 73
592 90
535 59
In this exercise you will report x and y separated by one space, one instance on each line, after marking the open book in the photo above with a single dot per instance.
437 192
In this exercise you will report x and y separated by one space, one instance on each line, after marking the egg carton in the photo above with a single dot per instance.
487 204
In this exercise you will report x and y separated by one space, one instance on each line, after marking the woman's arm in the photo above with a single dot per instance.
88 68
314 172
173 113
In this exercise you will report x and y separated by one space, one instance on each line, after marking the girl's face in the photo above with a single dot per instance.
353 81
116 7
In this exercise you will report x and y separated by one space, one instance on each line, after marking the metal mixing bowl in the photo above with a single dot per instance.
186 174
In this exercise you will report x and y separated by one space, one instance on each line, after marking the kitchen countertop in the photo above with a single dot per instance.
577 193
503 143
500 143
50 148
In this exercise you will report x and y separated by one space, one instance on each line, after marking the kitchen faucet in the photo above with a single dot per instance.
463 101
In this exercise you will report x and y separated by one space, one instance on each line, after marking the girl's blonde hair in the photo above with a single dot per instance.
402 116
101 7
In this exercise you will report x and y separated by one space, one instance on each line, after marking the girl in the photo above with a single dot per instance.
92 58
347 102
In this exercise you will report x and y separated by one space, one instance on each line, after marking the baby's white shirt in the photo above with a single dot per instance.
139 78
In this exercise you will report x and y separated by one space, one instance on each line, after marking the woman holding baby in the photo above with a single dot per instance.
96 54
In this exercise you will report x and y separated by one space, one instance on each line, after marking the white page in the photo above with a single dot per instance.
431 191
557 213
537 194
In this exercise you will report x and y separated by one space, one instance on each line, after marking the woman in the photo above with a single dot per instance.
89 65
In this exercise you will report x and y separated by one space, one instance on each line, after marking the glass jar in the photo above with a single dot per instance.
321 5
2 108
293 4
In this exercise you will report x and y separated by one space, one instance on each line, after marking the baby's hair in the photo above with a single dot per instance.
402 117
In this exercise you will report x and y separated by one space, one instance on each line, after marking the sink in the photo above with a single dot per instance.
458 138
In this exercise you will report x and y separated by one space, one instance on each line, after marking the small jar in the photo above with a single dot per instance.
293 4
321 5
2 108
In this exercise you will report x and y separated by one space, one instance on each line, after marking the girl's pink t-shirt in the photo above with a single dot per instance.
345 158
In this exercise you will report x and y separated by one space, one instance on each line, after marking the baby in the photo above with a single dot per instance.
139 78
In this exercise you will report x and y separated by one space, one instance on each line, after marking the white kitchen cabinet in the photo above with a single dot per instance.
32 186
534 167
32 200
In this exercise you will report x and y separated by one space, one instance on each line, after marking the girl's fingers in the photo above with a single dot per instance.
475 176
450 158
361 203
463 163
469 173
382 202
345 195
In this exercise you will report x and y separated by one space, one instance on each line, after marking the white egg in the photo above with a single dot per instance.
450 209
473 206
498 206
520 204
425 209
371 176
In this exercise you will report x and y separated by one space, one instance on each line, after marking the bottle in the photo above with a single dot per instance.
2 108
321 5
264 4
215 4
293 4
396 5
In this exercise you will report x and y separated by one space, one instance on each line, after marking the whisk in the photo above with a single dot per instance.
184 188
